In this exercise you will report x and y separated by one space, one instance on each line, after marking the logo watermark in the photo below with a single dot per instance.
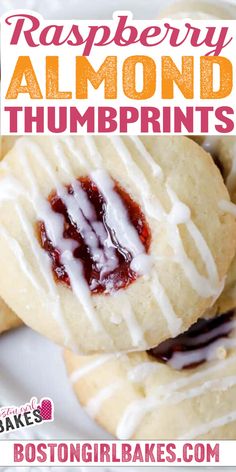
34 412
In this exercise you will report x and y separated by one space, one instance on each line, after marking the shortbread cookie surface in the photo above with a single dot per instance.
7 142
223 151
112 243
136 397
8 319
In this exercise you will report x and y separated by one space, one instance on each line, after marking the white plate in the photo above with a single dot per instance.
30 365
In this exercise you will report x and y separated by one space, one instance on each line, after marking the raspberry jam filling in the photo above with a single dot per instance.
194 345
106 264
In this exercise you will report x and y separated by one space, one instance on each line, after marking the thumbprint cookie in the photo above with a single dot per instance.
223 151
185 388
112 243
8 319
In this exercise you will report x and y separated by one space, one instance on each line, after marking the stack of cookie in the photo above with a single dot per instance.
121 249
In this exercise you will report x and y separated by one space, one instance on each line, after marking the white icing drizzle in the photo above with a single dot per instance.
224 328
156 169
117 219
80 210
196 376
41 257
208 353
152 206
94 404
68 261
137 176
75 152
74 269
141 372
78 206
210 426
44 265
54 224
180 213
10 188
116 214
94 154
133 415
167 393
228 207
204 286
89 367
201 284
174 323
170 392
137 375
54 228
63 163
136 333
210 385
127 236
142 264
136 410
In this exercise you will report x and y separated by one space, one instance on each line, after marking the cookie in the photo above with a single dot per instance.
223 151
191 395
8 319
200 10
7 142
112 244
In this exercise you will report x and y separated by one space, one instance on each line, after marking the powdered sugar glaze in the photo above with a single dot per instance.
199 381
68 153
